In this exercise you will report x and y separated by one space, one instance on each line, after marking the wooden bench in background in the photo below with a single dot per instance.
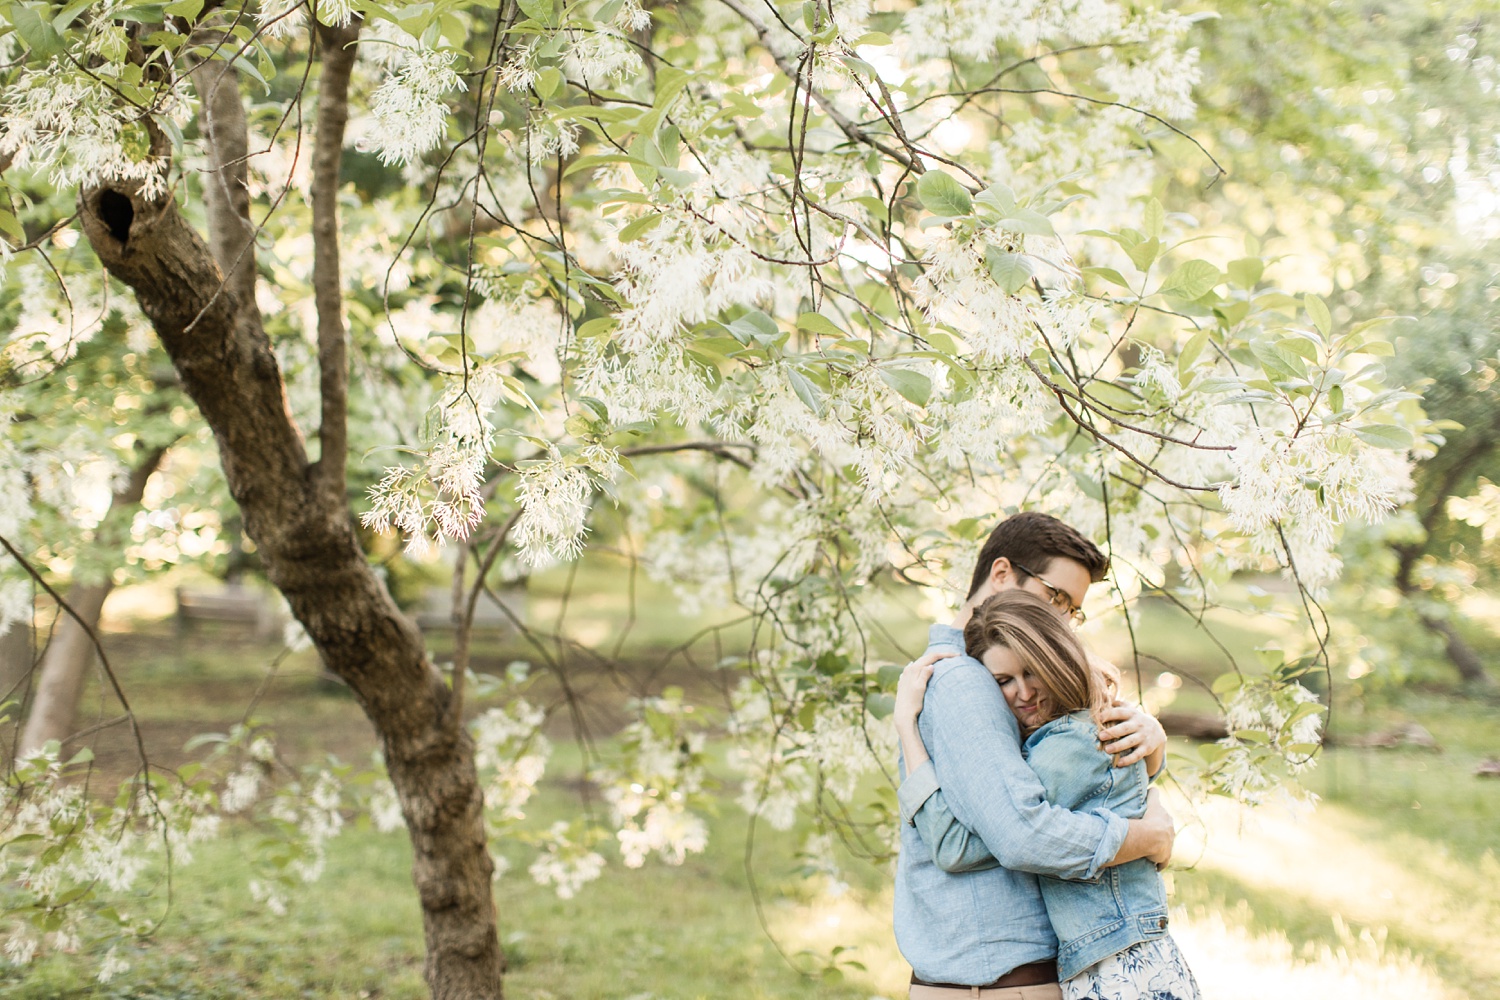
436 612
233 603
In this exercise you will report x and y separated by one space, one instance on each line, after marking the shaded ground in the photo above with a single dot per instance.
212 677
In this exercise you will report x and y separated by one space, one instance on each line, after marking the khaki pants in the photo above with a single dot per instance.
1047 991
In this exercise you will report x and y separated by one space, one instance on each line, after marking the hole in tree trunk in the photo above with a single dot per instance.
117 213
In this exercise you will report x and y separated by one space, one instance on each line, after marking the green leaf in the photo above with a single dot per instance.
1091 487
819 324
1232 313
1192 280
39 35
11 227
1300 346
1112 396
1317 309
1156 217
1227 684
754 325
640 227
81 757
1385 436
1142 253
1191 350
1336 399
599 159
1246 272
188 10
1110 275
1024 220
599 327
537 10
880 705
877 208
941 194
70 13
1010 270
912 386
1277 363
888 676
1301 712
680 179
805 390
996 202
547 82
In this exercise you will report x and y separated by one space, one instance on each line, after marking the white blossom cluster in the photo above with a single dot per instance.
1270 724
1148 68
511 755
651 793
444 499
61 847
1310 483
409 109
555 494
566 862
65 122
777 782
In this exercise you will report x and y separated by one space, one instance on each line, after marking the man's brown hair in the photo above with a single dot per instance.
1033 540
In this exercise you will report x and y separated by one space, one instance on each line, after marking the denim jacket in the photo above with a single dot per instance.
1093 918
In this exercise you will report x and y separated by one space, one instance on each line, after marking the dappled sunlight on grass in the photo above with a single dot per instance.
1348 867
857 922
1232 962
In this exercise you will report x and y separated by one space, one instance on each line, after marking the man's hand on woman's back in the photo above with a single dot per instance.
1131 734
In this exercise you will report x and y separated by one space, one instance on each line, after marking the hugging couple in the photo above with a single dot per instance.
1030 847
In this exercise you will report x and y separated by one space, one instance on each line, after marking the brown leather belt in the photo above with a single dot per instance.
1035 974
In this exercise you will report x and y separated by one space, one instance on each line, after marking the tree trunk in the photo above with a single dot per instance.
65 664
1467 662
16 661
64 669
1446 479
308 546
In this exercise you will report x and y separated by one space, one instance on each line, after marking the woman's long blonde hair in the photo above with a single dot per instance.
1031 628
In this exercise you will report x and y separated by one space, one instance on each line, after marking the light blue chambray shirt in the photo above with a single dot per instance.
973 927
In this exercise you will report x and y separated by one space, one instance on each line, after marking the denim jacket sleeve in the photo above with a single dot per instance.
1067 759
976 751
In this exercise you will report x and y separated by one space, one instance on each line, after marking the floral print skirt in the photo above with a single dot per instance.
1151 970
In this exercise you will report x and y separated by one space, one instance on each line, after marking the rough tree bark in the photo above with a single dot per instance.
65 664
212 331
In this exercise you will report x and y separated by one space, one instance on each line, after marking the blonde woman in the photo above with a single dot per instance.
1112 930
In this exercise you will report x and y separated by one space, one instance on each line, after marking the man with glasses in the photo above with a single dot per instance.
984 933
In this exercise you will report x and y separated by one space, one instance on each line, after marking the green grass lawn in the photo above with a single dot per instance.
658 931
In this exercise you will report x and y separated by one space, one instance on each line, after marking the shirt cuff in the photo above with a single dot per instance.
1114 839
917 789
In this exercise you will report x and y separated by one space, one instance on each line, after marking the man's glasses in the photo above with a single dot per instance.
1056 596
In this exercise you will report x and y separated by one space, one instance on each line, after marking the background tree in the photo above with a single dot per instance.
1389 175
